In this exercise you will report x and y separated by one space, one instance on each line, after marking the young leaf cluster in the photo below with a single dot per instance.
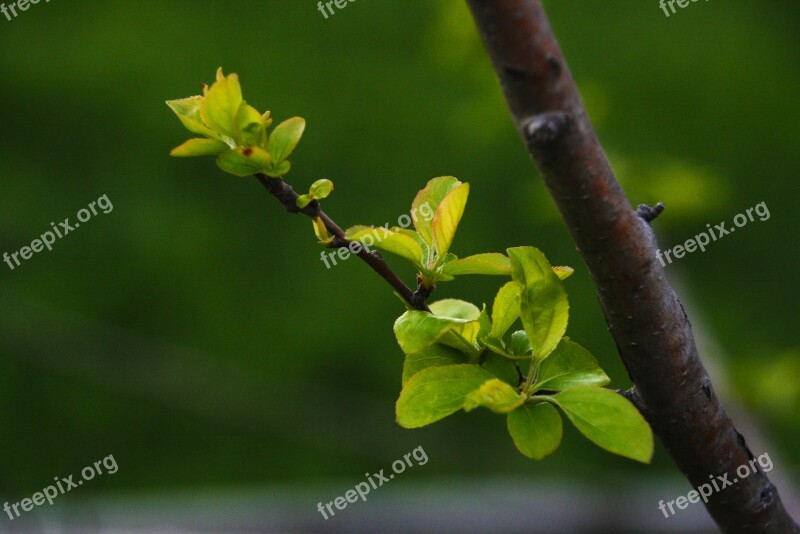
460 357
234 131
427 247
457 356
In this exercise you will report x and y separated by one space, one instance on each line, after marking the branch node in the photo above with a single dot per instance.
338 242
649 213
544 129
421 294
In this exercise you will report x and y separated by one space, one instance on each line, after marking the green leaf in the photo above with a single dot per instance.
505 310
485 324
244 161
249 128
276 171
494 394
284 138
434 356
502 368
497 346
321 189
321 231
398 243
447 217
467 326
520 344
609 420
536 429
453 323
569 366
488 263
436 392
544 308
188 111
563 272
428 200
199 147
303 201
455 309
221 104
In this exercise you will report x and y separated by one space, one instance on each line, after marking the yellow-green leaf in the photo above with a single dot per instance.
199 147
505 310
249 128
536 429
427 202
392 241
544 307
436 392
221 104
494 394
609 420
284 138
244 161
434 356
569 366
563 272
491 263
320 230
321 189
447 217
188 111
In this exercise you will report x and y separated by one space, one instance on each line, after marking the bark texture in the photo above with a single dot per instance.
645 317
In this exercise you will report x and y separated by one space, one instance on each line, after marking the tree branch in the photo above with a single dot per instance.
287 196
645 317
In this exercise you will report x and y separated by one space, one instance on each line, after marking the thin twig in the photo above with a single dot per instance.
287 196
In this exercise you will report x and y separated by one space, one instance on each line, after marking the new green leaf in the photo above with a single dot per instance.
447 217
502 368
284 138
453 322
492 263
544 308
536 429
569 366
505 309
430 197
436 392
494 394
321 189
199 147
392 241
609 420
434 356
244 161
220 105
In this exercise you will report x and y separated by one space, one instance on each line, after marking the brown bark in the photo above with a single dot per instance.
645 317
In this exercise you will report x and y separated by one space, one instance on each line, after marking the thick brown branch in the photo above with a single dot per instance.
645 317
287 196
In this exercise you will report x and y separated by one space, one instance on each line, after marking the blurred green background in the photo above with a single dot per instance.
194 333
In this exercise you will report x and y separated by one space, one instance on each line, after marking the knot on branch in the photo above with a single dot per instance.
421 294
544 129
649 213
